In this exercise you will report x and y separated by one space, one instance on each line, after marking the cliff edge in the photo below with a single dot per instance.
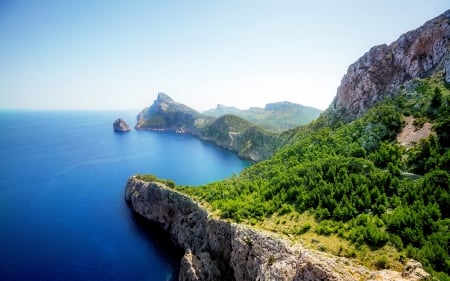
219 250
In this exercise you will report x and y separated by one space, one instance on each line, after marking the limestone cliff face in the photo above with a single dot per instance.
219 250
384 68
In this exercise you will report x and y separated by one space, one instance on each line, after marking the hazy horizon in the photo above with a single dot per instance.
114 55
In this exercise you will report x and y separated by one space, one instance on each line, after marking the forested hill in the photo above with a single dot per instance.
276 117
369 179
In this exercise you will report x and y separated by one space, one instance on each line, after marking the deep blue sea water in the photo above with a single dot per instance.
62 209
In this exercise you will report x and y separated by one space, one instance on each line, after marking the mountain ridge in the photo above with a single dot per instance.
276 117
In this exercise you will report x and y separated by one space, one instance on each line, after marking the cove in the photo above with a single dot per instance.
62 212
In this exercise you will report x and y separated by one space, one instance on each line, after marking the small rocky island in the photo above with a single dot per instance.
120 126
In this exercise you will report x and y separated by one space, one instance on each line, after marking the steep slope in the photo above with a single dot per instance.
383 69
276 117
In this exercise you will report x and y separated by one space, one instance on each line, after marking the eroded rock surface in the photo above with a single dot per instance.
384 68
219 250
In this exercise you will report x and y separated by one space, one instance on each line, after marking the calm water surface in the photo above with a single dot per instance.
62 209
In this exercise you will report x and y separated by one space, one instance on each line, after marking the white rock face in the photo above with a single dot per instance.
217 250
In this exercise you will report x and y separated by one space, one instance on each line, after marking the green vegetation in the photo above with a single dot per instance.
349 182
153 178
237 134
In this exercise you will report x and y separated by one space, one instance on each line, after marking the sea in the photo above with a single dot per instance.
62 181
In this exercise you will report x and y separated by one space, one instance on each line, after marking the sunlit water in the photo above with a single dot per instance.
62 209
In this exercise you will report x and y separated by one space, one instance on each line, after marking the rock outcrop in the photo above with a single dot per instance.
219 250
120 126
384 68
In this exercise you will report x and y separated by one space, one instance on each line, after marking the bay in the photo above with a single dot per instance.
62 209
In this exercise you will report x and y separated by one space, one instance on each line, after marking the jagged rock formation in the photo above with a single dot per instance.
276 117
384 68
229 131
218 250
120 126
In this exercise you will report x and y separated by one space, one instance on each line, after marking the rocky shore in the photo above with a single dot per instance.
219 250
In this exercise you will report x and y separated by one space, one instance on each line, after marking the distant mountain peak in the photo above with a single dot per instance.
162 97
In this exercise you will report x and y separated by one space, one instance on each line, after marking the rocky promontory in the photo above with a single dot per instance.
219 250
383 69
120 126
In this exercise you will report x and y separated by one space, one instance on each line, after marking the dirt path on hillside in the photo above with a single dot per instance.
410 135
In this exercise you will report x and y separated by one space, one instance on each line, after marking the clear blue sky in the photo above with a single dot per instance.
63 54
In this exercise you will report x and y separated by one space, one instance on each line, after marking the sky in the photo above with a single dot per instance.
114 55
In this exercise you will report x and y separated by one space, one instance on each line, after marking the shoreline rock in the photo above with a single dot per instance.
219 250
120 126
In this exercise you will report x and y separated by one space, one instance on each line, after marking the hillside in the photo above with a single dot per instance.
359 182
347 188
344 184
276 117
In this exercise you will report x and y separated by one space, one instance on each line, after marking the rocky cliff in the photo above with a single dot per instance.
384 68
120 126
219 250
